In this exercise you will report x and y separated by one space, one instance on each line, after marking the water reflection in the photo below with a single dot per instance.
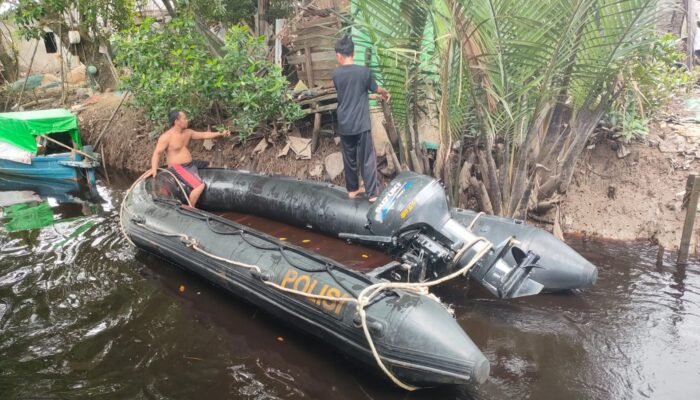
84 315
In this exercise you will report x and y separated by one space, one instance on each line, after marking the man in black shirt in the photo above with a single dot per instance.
353 83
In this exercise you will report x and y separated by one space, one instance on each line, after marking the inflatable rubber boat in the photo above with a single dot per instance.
384 317
411 220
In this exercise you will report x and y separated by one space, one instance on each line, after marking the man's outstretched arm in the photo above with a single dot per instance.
209 134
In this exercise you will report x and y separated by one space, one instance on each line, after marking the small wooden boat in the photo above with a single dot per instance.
45 144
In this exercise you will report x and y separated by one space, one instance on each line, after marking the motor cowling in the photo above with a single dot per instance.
414 212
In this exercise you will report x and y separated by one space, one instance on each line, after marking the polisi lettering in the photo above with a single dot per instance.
302 282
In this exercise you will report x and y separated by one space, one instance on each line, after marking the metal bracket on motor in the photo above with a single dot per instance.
368 238
516 282
512 281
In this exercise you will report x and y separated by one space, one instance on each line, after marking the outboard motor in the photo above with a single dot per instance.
412 217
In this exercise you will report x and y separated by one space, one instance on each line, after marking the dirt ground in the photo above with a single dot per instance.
635 197
639 196
130 139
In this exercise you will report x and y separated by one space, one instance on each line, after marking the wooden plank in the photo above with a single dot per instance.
316 22
315 57
322 43
694 186
323 74
330 37
331 96
326 64
309 69
329 107
330 30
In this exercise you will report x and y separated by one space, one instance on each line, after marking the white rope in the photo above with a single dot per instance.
471 225
131 188
365 296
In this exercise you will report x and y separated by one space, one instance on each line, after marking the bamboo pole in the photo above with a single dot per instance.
692 208
82 153
29 71
104 164
99 137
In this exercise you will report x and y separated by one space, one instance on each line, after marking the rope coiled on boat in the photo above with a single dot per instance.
363 299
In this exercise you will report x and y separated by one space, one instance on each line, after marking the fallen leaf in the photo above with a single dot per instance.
306 241
283 238
365 256
262 145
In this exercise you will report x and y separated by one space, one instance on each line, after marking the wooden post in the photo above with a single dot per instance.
279 28
316 135
309 67
689 224
104 164
690 22
660 257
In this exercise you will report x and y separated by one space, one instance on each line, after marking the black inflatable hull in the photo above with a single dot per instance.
416 336
326 208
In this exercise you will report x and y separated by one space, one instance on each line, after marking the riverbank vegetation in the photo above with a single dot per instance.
171 68
517 89
514 90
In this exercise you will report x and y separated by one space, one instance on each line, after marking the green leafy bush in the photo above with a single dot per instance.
172 69
650 82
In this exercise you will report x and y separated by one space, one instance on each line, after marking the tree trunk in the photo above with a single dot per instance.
445 134
504 175
525 159
170 8
492 177
89 53
585 124
482 197
582 126
8 60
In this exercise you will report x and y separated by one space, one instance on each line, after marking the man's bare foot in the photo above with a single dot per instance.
356 193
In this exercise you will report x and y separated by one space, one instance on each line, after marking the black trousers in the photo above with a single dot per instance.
359 149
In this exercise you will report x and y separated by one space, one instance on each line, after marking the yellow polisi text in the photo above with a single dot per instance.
304 283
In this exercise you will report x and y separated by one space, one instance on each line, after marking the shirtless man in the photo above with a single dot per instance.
174 142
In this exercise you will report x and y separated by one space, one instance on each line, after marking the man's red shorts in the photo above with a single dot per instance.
189 173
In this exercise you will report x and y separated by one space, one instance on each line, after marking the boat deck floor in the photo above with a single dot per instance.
354 256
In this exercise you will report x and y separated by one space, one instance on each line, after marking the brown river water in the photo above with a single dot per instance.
85 315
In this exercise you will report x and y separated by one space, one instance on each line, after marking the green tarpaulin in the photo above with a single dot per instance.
21 128
25 217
